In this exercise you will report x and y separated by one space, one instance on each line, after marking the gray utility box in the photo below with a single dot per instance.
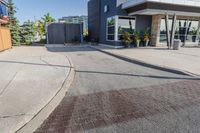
177 44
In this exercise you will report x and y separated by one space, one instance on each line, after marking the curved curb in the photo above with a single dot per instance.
44 113
145 64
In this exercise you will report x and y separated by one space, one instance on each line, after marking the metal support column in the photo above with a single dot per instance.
198 30
116 28
167 30
173 31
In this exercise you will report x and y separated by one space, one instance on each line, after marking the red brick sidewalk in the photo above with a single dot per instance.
84 112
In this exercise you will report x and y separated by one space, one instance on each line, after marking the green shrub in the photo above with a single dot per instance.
126 39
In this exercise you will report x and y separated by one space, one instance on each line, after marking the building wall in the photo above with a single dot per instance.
114 8
155 30
98 19
94 19
75 20
143 22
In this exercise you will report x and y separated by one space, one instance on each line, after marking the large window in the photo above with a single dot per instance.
125 25
111 28
116 26
186 30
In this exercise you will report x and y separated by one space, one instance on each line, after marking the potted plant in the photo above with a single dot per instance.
136 39
194 34
126 39
146 37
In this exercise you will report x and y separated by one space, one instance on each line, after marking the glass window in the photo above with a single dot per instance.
163 31
125 25
111 21
186 30
111 28
106 8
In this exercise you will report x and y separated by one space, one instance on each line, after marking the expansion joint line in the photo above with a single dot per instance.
4 89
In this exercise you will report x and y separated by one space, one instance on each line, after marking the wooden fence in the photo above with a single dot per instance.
5 38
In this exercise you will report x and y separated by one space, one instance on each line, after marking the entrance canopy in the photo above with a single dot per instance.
152 7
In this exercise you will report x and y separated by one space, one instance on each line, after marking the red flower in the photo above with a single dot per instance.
4 20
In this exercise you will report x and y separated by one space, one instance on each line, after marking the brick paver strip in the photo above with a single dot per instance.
84 112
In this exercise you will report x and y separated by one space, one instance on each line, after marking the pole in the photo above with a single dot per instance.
198 30
47 35
167 29
173 31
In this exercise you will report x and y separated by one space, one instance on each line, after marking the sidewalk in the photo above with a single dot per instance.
186 59
30 78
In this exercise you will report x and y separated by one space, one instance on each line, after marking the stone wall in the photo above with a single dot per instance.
155 30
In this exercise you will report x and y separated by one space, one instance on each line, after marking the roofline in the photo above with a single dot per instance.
163 6
139 2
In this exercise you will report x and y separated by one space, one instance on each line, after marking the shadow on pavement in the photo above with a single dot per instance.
62 48
135 75
30 63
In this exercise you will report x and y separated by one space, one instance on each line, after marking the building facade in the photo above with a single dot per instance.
75 20
109 19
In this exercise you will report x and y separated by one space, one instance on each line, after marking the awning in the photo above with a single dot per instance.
151 7
193 3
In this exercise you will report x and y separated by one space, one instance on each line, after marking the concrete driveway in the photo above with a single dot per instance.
29 78
185 59
110 95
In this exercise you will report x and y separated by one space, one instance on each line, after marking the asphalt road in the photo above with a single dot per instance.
114 96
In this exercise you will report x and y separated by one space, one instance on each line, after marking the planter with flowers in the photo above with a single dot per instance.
146 37
136 39
126 39
194 34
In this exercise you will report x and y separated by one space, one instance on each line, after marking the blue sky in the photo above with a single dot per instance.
31 9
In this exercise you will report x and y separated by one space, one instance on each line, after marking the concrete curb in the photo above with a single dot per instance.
145 64
44 113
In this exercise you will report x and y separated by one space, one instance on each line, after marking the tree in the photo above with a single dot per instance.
41 26
47 18
28 31
14 24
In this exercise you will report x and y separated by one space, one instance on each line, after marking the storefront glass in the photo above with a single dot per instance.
186 30
118 25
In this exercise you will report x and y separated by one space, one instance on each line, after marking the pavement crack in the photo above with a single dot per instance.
4 89
47 63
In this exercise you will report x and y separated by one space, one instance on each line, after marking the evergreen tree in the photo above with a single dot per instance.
28 32
14 24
